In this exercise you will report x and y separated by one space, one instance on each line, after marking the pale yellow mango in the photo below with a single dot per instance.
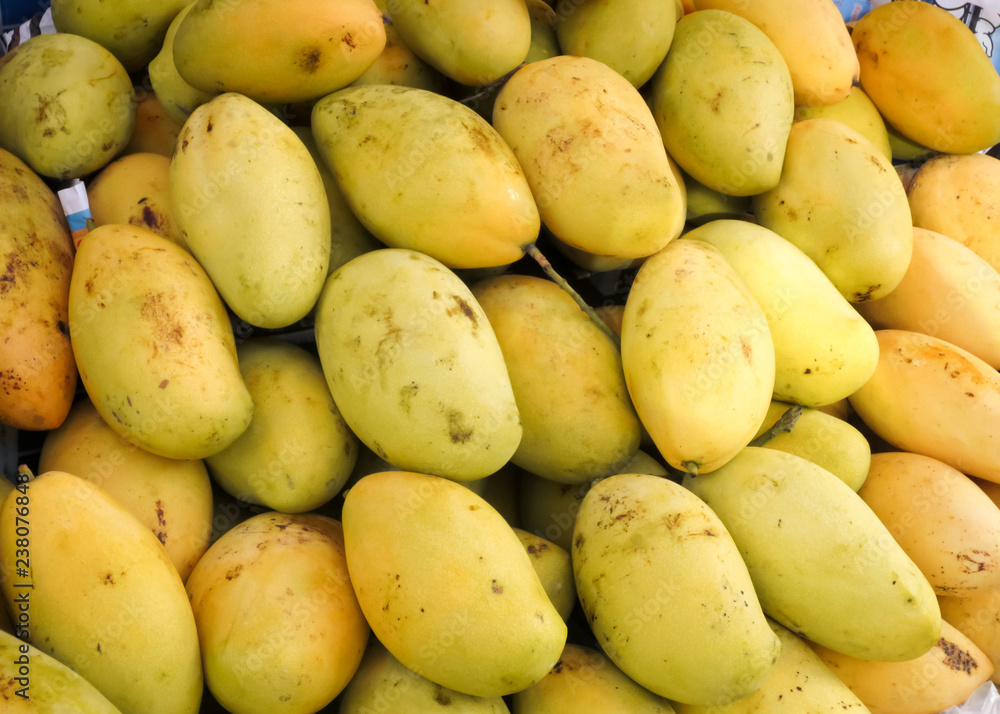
447 586
822 563
723 124
852 218
857 111
277 51
425 172
667 594
178 97
698 356
589 144
927 73
554 568
153 344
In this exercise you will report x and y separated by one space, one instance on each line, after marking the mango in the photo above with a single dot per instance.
708 204
447 586
589 144
823 350
298 451
927 73
178 97
577 418
698 356
105 598
277 51
38 373
256 217
424 172
857 111
154 130
179 392
415 367
69 105
554 568
398 64
852 218
724 125
279 626
822 563
975 617
667 594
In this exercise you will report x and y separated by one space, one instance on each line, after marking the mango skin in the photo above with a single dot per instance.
178 97
279 626
69 105
153 344
101 578
857 111
724 125
447 586
822 563
577 418
38 374
634 543
928 75
154 131
589 144
975 617
554 568
414 366
277 51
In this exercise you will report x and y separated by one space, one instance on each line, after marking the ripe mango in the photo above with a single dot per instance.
857 111
975 617
554 569
178 97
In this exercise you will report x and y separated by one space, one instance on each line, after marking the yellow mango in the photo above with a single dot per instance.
298 451
667 594
178 97
69 104
37 369
577 418
608 32
447 586
975 616
105 598
915 370
906 149
956 195
425 172
589 144
812 38
708 204
799 682
398 64
948 291
927 73
822 563
279 626
277 51
724 125
857 111
154 346
414 366
584 679
154 131
171 497
554 569
698 356
852 218
473 44
945 676
262 230
823 350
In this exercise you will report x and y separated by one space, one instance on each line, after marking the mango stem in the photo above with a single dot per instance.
785 423
24 474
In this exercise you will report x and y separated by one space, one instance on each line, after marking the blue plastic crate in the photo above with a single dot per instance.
14 12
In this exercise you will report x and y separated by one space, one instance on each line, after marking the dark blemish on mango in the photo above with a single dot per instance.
309 60
234 572
348 40
457 431
538 549
159 513
957 658
108 579
150 218
496 587
163 383
463 307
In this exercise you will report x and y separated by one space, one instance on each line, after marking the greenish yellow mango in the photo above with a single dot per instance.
723 124
69 105
698 356
471 43
178 97
577 418
584 679
105 599
298 451
857 111
589 144
415 367
823 349
398 64
667 594
425 172
383 683
252 209
708 204
609 32
154 346
277 51
822 563
928 75
554 568
280 628
447 586
852 218
171 497
905 149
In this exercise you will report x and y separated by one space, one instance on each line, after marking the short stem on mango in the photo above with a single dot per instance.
785 423
24 474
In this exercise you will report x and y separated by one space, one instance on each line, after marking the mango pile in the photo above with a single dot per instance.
337 410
